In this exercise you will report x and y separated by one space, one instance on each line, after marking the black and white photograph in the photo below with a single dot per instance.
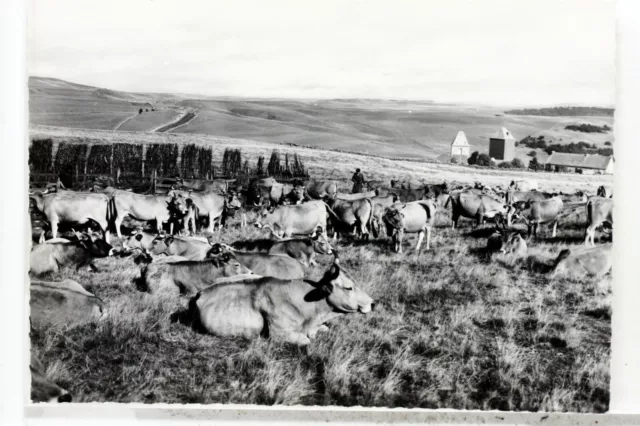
402 204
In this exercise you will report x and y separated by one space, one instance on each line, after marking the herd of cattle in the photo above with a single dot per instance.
260 288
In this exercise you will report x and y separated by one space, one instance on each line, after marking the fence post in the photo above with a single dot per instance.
154 180
118 175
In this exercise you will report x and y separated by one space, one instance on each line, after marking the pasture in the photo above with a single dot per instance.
453 328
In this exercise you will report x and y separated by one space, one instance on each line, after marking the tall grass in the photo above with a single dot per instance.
453 328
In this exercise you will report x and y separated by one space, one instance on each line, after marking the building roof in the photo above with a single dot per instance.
583 161
503 133
460 140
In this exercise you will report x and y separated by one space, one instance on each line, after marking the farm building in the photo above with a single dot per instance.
588 163
460 146
502 146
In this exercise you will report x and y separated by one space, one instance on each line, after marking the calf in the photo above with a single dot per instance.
263 264
52 256
416 216
534 213
599 211
293 311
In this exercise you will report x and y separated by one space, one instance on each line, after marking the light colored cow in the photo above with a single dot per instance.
350 216
302 219
63 303
57 253
74 207
590 261
524 185
414 217
533 213
209 205
142 207
599 211
474 206
293 311
320 190
301 249
263 264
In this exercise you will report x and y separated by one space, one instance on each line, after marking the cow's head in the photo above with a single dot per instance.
297 194
38 200
514 211
341 292
224 259
394 217
320 243
160 244
231 201
94 243
255 194
514 244
178 205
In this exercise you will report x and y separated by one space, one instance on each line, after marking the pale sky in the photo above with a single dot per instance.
501 52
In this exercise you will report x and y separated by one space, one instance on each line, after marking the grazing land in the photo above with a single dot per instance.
454 327
148 121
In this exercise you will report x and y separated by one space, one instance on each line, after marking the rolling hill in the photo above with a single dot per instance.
390 128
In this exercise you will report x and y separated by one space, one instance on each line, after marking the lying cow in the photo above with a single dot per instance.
416 216
507 243
474 206
185 247
591 261
190 276
64 303
291 311
301 249
42 388
287 221
350 216
599 211
75 208
533 213
263 264
57 253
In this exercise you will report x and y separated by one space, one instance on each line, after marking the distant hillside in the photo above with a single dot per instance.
420 130
564 112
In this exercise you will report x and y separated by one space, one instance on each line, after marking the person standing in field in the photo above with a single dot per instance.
358 182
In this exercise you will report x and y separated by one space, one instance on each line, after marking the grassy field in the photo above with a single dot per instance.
148 121
391 128
453 328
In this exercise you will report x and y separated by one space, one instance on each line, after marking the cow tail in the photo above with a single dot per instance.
331 212
370 221
112 213
446 204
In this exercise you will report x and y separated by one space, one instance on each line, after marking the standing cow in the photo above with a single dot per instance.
414 217
534 213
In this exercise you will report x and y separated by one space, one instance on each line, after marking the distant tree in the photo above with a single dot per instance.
483 160
453 160
517 163
578 170
505 165
532 153
473 158
548 168
534 164
140 111
146 110
607 143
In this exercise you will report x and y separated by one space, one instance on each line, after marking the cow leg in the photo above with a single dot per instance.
590 236
118 224
555 227
210 226
420 237
428 237
454 221
170 227
289 336
54 228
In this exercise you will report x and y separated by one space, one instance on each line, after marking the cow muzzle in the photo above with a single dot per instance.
111 251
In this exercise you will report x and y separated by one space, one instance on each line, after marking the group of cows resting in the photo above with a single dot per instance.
258 288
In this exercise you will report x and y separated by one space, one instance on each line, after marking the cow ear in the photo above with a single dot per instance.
169 239
138 237
225 257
